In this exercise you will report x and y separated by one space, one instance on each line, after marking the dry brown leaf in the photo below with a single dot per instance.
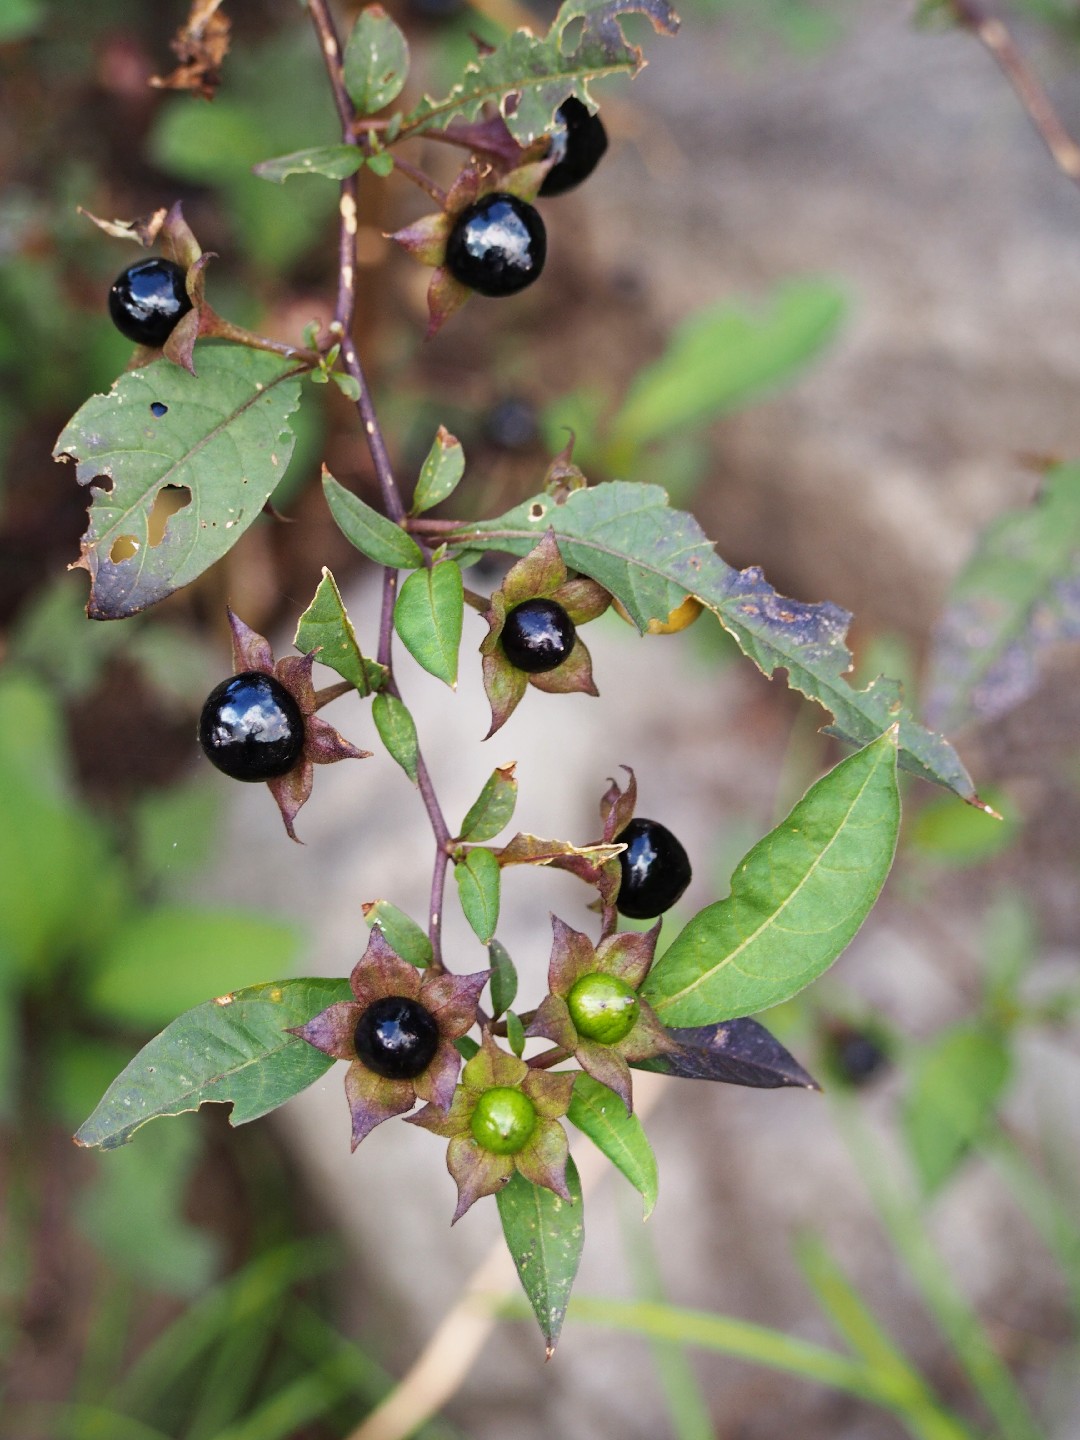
200 46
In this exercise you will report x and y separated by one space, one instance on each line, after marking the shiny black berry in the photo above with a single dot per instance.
577 142
147 300
396 1037
497 246
538 636
655 870
251 727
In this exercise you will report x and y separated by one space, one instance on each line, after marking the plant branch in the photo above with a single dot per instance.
993 34
417 176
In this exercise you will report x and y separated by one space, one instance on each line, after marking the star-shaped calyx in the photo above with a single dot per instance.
594 1012
397 1034
322 743
426 239
504 1117
539 576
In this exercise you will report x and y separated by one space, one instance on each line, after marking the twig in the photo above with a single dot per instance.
993 34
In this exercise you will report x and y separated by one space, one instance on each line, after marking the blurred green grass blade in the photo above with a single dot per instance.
227 1386
1055 1220
686 1405
854 1322
79 1422
904 1223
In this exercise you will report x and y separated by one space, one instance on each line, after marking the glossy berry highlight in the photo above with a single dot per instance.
655 870
503 1120
537 636
251 727
578 142
396 1038
147 300
603 1008
497 245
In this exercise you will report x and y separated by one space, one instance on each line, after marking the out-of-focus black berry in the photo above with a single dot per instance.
577 142
512 424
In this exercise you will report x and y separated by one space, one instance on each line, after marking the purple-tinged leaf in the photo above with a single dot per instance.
735 1052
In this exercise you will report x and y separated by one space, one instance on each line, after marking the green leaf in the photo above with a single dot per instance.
601 1115
336 162
233 1049
545 1236
796 900
325 626
372 534
1017 595
440 473
956 1084
19 18
347 384
541 72
493 808
224 439
174 829
651 557
376 61
428 617
382 163
397 730
515 1033
477 878
403 934
722 357
504 980
170 958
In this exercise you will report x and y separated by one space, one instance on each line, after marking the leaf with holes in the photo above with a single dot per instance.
797 899
234 1049
428 618
376 61
325 626
478 882
221 439
650 557
599 1113
528 77
545 1236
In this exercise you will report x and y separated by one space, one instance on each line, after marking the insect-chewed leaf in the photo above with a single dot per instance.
478 882
504 980
325 626
397 731
721 357
373 534
403 934
796 900
735 1052
218 443
1018 594
650 557
233 1049
376 61
957 1081
599 1113
493 808
428 617
336 162
545 1236
540 73
440 473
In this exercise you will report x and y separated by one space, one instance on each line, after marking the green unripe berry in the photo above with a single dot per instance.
603 1008
503 1120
